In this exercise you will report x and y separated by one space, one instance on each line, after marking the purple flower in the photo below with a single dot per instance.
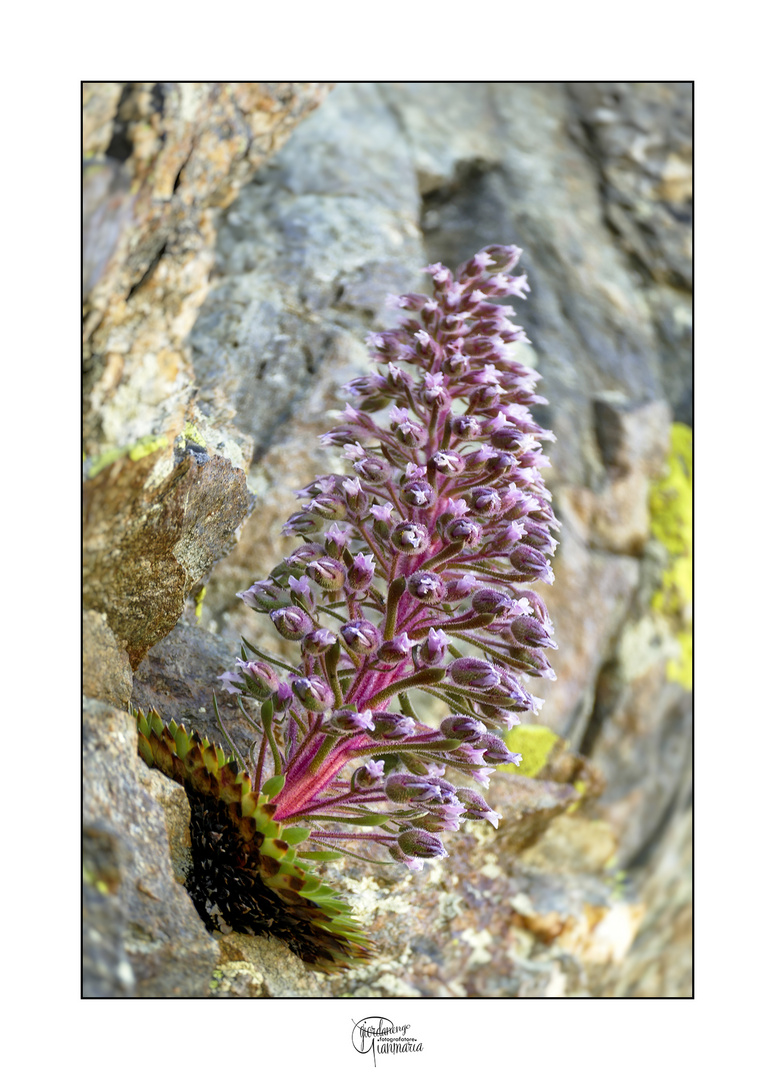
419 844
328 573
411 579
255 679
291 622
361 574
427 587
410 537
470 671
313 693
466 728
349 722
405 788
369 775
361 636
389 725
396 650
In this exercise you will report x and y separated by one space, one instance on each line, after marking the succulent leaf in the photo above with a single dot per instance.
250 879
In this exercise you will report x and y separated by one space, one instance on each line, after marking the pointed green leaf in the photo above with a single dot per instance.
181 742
363 819
273 786
295 835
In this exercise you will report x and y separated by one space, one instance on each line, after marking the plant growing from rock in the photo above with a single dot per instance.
411 578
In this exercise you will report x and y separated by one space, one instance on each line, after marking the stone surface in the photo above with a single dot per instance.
107 673
178 678
495 919
164 489
142 937
174 153
593 182
152 530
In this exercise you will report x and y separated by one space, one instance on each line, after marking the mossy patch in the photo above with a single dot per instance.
199 600
142 448
672 526
535 743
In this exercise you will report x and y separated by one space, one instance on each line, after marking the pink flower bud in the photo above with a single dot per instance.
389 725
419 844
410 538
368 775
318 642
361 574
329 573
418 493
396 650
485 501
259 678
331 506
496 752
464 728
473 672
314 693
404 788
529 631
426 587
291 623
530 564
372 469
361 636
348 722
466 427
464 530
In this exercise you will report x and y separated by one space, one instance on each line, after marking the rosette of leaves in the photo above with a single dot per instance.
248 873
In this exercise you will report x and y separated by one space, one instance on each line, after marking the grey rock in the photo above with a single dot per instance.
305 255
178 678
149 538
107 673
143 937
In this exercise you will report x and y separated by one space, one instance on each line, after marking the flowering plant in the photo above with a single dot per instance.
411 578
421 554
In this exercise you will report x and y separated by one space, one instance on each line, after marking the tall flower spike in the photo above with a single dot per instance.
409 580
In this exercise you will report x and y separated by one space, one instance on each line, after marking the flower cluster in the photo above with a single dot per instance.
412 577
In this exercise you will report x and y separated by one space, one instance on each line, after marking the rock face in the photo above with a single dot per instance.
143 937
164 489
219 327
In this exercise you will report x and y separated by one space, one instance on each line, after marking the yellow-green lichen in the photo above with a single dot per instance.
671 525
535 743
142 448
193 434
145 446
91 878
580 786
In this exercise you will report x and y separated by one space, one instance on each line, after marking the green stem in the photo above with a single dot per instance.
419 679
267 713
440 745
322 753
395 592
331 664
238 756
271 659
445 555
406 708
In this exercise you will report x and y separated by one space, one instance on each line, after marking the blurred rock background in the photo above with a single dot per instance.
239 242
